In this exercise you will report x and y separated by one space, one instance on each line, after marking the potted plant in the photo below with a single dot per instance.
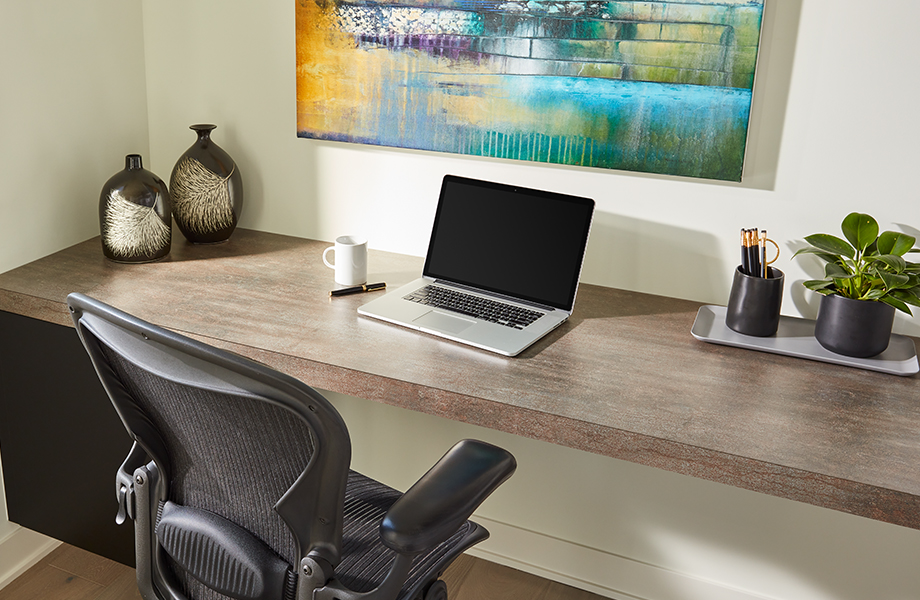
866 279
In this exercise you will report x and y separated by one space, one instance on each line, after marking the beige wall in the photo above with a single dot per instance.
831 133
72 104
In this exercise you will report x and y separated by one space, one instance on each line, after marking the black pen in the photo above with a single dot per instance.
367 287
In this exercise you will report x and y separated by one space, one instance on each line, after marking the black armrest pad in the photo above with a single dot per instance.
445 497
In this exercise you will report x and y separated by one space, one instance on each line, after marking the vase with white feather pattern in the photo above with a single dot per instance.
206 191
134 215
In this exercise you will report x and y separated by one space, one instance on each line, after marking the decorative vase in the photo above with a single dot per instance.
206 190
858 328
134 215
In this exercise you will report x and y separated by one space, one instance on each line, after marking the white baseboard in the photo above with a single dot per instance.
559 560
20 550
594 570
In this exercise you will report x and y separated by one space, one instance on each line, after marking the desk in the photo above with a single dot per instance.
623 378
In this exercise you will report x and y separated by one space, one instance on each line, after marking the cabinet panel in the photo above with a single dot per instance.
60 439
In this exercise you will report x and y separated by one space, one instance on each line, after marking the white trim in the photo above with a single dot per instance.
594 570
20 550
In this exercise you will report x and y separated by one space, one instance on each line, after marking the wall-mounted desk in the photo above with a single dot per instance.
623 378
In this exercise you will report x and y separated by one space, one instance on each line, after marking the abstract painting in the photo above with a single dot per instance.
656 86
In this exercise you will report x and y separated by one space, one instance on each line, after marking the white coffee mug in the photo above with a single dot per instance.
350 260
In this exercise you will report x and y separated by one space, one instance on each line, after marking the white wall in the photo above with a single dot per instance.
72 105
831 132
629 531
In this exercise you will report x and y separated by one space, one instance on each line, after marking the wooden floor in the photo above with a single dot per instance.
69 573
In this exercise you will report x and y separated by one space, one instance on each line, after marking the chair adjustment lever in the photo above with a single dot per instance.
124 483
125 504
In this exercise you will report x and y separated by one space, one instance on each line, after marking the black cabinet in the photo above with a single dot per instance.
60 439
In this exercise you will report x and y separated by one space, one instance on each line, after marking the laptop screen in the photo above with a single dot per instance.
515 241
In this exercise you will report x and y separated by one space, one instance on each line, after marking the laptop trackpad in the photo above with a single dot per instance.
442 322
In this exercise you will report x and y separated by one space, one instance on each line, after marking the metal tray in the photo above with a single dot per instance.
796 337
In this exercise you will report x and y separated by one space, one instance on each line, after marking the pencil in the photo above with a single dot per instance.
755 251
745 256
752 262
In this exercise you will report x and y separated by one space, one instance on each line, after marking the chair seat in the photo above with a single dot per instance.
365 559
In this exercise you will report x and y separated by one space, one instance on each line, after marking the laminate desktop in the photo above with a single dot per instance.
622 378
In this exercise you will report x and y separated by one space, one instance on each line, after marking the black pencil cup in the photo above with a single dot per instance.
753 307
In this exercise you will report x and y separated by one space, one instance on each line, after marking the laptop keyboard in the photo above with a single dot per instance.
474 306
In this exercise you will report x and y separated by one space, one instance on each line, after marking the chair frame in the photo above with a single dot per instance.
315 520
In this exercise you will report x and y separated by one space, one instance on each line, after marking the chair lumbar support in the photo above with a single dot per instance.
221 554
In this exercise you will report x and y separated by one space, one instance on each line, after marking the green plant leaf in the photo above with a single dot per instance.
886 242
894 242
860 229
906 297
893 262
831 244
874 294
906 283
825 256
818 284
833 269
894 281
897 304
904 244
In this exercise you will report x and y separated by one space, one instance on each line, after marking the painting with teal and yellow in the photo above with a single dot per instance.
658 87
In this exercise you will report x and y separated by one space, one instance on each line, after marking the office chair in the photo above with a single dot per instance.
239 486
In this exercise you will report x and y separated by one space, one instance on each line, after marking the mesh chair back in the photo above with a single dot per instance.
233 455
227 435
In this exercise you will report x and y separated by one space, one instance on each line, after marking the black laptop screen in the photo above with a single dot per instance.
511 240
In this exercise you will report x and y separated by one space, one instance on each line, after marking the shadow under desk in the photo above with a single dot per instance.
622 378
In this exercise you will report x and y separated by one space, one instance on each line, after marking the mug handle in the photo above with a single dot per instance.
326 262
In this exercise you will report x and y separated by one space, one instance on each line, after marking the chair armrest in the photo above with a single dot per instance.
445 497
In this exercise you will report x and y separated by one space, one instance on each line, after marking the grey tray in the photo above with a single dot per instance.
796 337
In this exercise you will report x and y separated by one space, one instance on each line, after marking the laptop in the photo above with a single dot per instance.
502 266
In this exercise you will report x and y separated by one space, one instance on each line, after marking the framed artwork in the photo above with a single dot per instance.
658 87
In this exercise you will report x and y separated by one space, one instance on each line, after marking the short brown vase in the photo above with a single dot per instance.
134 215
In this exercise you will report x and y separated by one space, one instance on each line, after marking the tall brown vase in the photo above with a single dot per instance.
206 191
